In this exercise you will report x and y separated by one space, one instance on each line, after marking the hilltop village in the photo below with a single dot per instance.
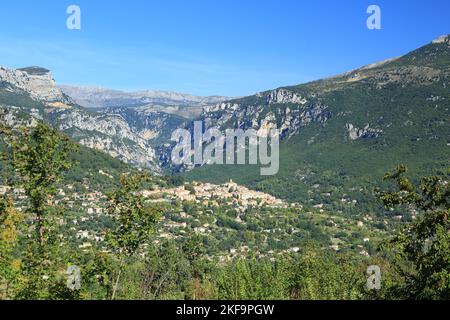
237 220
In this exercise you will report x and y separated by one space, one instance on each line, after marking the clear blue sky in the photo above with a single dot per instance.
205 47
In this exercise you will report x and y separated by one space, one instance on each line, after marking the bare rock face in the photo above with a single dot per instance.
111 134
288 118
38 82
442 39
105 132
355 133
292 111
285 96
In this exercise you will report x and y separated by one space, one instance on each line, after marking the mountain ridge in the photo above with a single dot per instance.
341 134
390 110
32 93
99 97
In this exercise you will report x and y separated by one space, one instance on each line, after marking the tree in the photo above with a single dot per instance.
253 279
421 250
4 128
319 274
135 218
10 221
166 272
40 157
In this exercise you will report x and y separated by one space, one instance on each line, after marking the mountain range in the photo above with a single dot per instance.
339 135
91 97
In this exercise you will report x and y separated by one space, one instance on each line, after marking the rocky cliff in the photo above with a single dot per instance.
37 82
31 94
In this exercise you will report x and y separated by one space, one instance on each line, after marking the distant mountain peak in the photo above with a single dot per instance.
97 97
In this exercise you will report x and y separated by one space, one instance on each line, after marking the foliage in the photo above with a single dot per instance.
34 256
322 275
253 280
421 251
10 221
40 157
135 218
411 112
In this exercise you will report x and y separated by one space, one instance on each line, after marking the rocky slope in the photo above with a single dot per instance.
338 133
31 93
282 109
152 115
292 108
341 134
153 123
37 82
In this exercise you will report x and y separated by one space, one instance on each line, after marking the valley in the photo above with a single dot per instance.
212 231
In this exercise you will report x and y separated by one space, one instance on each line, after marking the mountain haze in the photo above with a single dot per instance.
91 97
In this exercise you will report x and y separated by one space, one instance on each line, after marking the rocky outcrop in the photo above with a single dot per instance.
152 124
38 82
285 96
355 133
442 39
289 119
109 133
105 132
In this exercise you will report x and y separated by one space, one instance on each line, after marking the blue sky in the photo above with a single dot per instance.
208 47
